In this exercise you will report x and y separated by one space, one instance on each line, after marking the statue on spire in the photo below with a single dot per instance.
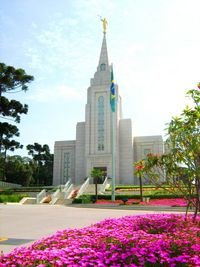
105 23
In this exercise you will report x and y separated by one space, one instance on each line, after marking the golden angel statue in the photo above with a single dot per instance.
105 23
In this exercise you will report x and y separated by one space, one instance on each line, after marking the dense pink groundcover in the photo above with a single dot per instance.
148 240
179 202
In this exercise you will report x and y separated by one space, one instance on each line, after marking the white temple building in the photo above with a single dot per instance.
93 145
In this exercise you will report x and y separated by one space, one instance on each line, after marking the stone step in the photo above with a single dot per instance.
91 189
63 202
28 200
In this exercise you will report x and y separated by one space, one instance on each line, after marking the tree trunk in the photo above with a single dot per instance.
96 191
140 179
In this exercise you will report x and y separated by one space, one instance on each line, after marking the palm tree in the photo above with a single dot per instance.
96 174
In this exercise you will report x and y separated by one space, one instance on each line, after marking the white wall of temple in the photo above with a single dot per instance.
62 171
77 158
125 152
144 145
95 157
80 163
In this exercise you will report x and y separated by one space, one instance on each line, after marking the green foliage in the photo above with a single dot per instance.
77 201
180 166
42 163
97 174
26 171
7 191
135 187
2 168
84 199
184 136
18 171
12 108
11 198
11 80
87 199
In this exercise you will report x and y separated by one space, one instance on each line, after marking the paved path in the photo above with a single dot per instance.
23 224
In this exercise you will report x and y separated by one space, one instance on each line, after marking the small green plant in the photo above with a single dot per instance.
11 198
84 199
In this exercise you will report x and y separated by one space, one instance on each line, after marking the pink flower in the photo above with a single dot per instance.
147 240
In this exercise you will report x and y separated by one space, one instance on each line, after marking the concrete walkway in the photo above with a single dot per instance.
23 224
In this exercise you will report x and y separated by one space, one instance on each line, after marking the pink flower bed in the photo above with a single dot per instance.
150 240
180 202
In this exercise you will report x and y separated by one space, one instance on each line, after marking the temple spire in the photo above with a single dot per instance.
104 54
103 59
102 75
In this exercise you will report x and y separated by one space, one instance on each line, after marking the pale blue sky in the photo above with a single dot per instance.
153 44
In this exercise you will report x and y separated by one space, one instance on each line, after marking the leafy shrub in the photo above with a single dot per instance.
77 201
11 198
7 191
85 199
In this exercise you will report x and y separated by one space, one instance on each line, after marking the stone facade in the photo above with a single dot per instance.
93 145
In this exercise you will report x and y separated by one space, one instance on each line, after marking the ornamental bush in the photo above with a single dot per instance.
11 198
149 240
179 167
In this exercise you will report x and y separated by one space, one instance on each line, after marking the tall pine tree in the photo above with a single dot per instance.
11 80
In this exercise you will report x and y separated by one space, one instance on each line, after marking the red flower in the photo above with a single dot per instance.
198 85
139 167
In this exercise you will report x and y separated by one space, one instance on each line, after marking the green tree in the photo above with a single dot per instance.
8 131
2 168
18 170
180 165
97 174
11 80
138 172
43 172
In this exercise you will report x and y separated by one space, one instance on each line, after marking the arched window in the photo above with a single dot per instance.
100 142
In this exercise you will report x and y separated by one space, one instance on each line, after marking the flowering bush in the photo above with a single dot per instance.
149 240
180 165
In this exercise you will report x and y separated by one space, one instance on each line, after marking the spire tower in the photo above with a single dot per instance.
103 59
102 75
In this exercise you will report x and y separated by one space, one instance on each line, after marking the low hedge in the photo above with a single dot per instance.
11 198
7 191
137 186
133 187
84 199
